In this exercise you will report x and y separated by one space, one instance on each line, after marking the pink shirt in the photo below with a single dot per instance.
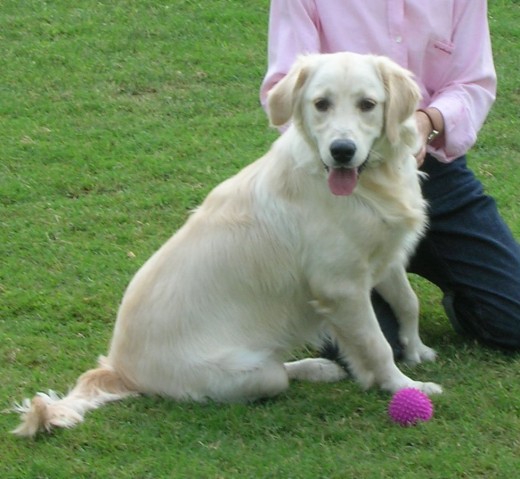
445 43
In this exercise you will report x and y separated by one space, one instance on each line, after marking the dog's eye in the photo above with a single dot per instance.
322 104
367 104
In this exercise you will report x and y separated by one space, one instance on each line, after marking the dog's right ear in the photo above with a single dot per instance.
282 98
402 97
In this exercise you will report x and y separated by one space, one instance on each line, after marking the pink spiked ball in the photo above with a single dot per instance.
410 406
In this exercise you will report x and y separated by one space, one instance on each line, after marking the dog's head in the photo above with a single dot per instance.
343 103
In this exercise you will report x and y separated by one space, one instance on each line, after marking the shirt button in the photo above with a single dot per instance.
399 39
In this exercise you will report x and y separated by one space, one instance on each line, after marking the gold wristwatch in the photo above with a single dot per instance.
434 134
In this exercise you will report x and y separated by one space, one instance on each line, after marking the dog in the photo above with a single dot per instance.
283 254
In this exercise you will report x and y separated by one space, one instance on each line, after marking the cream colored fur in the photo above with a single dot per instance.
272 259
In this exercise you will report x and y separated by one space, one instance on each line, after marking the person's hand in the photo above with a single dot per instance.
428 121
424 127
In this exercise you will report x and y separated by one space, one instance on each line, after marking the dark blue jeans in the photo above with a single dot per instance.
470 254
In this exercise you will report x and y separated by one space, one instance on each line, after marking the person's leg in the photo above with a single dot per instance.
470 253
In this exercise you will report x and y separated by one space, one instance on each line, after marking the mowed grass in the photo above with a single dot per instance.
116 119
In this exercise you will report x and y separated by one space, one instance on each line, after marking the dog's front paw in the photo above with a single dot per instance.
401 381
428 388
416 354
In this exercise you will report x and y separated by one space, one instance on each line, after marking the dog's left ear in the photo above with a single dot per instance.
402 96
282 98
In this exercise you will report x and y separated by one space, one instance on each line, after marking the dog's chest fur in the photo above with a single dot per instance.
355 236
375 222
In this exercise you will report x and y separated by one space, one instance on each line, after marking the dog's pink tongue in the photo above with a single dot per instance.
342 181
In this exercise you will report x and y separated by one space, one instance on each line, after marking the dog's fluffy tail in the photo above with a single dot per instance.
93 389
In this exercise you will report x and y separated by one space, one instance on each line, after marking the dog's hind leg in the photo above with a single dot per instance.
397 292
234 380
315 370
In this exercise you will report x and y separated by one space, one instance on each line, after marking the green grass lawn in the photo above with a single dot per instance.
116 119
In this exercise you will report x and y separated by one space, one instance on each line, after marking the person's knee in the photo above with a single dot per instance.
493 321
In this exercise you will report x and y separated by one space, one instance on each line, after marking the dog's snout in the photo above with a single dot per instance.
343 150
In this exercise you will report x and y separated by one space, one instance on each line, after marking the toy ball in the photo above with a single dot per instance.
410 406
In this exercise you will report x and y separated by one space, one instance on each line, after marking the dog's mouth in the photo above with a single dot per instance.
342 181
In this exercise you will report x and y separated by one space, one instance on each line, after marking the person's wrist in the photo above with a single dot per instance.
424 125
434 131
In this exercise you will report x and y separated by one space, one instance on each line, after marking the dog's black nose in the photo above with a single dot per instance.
343 151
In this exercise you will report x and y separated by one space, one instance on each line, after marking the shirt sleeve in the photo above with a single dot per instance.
469 86
293 31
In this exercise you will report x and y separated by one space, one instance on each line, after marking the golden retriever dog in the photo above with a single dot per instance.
282 254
